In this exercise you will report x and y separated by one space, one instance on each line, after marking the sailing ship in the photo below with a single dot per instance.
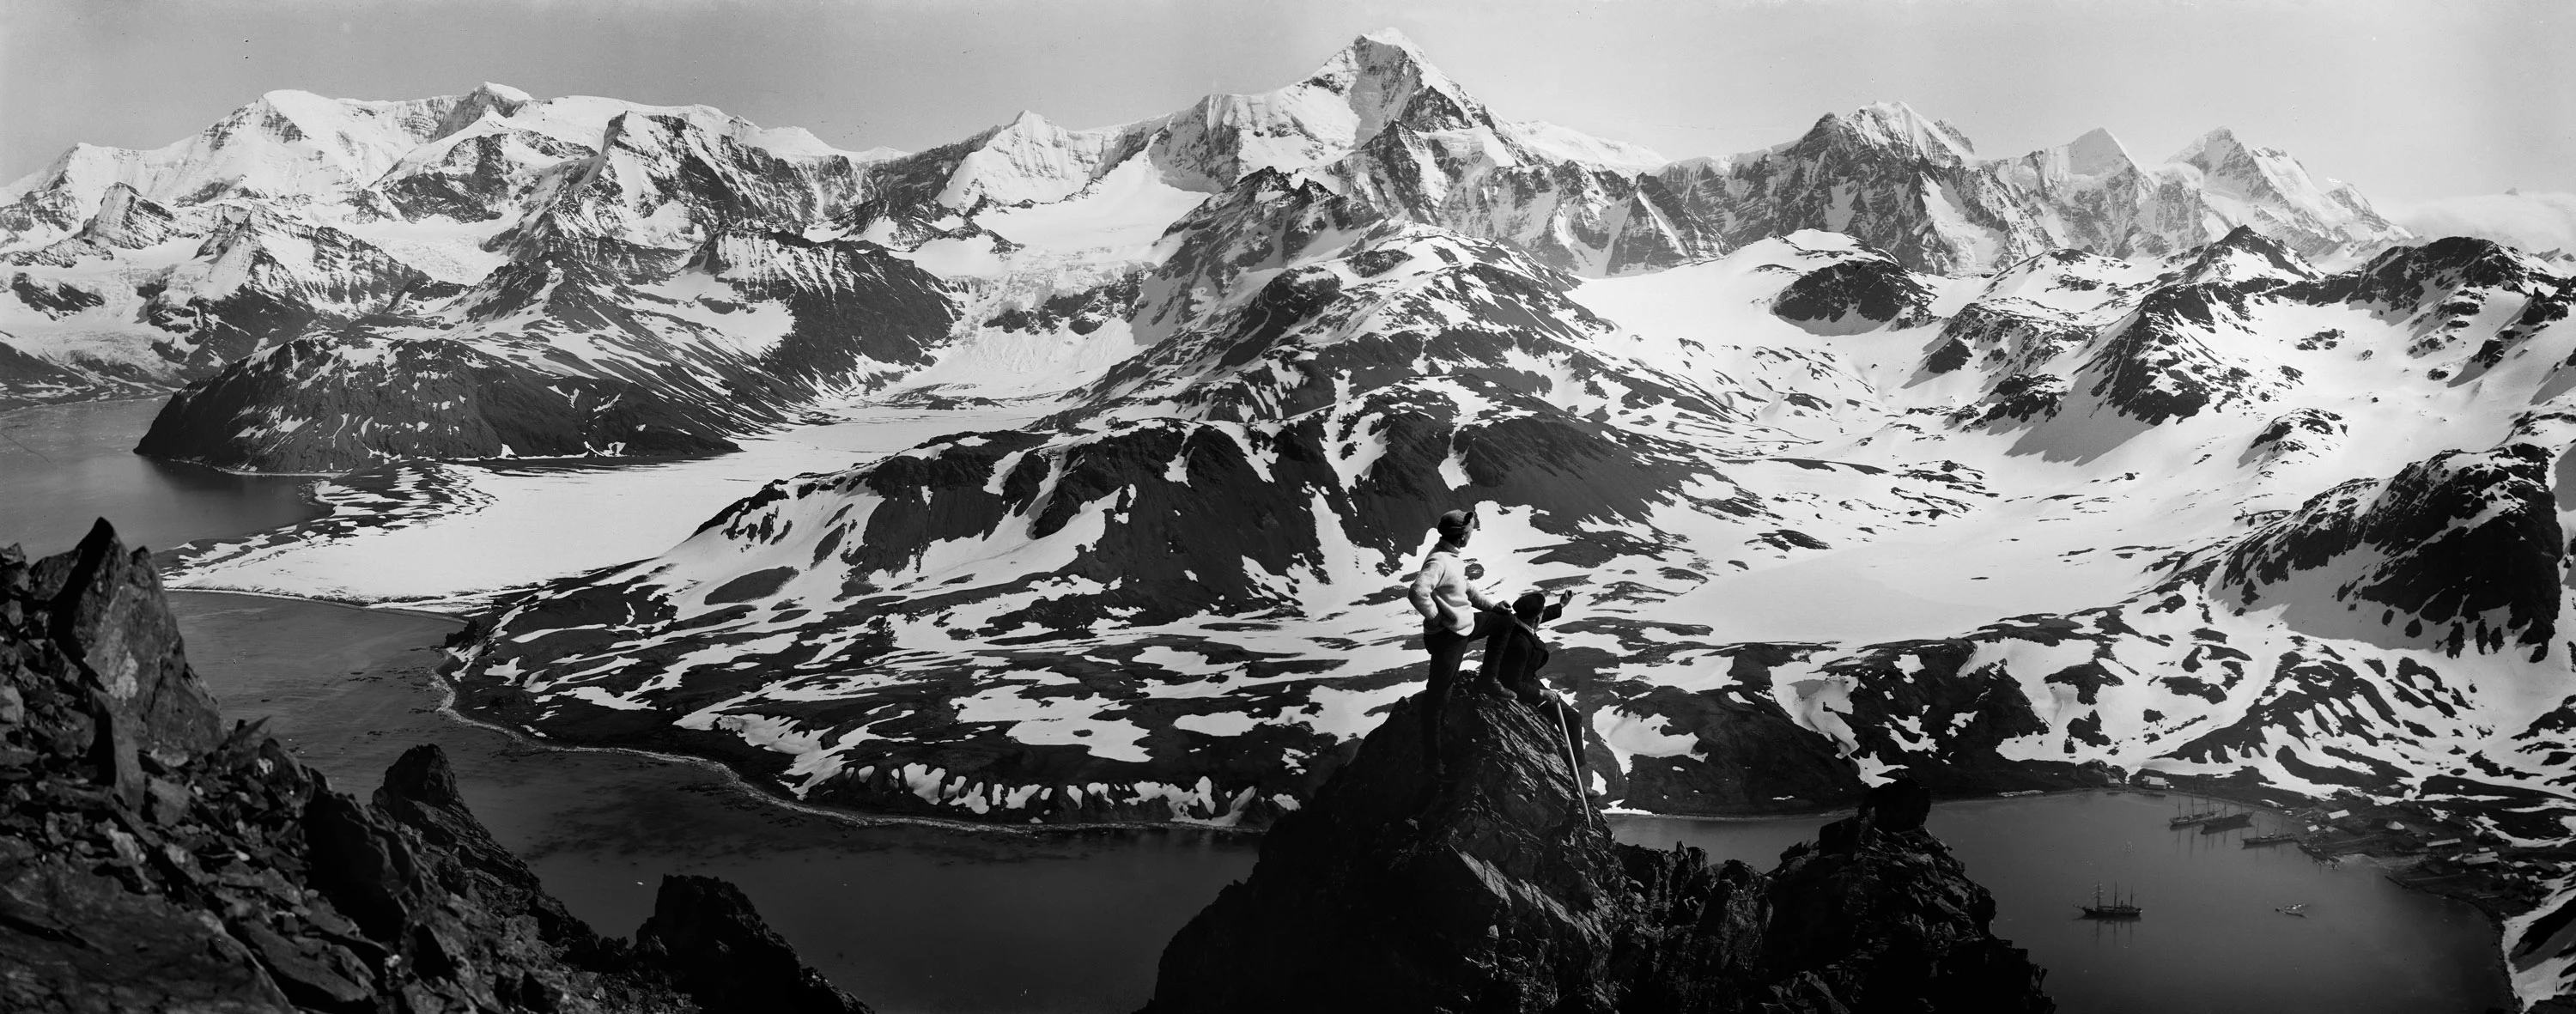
2182 820
2116 908
2229 822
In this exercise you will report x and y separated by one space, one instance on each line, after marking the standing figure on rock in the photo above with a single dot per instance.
1454 612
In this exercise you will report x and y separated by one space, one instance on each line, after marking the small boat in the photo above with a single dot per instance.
2299 910
2260 840
2227 823
2114 909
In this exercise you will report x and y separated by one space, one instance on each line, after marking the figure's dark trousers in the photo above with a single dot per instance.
1448 650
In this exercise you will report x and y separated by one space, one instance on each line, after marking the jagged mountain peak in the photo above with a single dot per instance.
1897 125
1026 129
2244 253
2212 148
2229 164
1388 36
487 99
500 92
2097 153
1385 79
1386 51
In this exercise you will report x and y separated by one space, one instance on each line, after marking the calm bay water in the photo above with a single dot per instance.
63 467
2211 940
918 918
908 917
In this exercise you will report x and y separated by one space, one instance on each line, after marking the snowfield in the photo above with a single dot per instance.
449 537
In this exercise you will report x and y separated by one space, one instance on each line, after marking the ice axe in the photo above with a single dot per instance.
1574 765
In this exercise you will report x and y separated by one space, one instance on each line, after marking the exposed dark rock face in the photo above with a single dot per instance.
2299 431
2019 397
2158 366
1749 757
2405 278
1866 174
2466 549
419 385
150 861
1499 890
1856 295
1981 708
327 404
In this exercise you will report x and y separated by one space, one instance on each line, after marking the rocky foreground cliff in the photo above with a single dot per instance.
1498 888
153 861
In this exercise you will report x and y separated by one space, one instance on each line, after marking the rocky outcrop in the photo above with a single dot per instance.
2464 547
704 935
2160 363
152 861
327 404
1860 294
1498 889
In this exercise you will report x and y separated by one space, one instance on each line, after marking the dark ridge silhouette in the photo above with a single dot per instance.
150 861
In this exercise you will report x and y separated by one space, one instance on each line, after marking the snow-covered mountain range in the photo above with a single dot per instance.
511 226
1863 453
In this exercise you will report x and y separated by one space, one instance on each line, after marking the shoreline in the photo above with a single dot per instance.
734 778
2383 861
2264 798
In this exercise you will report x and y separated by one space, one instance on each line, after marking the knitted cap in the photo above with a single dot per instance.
1455 522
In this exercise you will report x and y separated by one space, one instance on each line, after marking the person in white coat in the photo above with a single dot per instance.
1455 613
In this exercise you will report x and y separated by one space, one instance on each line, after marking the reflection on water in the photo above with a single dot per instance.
2210 939
907 917
62 467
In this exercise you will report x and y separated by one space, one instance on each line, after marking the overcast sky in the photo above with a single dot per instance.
2408 100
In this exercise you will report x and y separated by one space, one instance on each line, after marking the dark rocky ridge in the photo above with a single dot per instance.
152 861
1855 295
1499 890
359 408
2459 538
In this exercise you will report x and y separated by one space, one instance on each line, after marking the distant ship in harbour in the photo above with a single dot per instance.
2116 908
2197 816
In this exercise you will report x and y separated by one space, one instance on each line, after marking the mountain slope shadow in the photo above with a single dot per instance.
1498 889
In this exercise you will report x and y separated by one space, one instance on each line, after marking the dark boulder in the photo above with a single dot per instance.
104 611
